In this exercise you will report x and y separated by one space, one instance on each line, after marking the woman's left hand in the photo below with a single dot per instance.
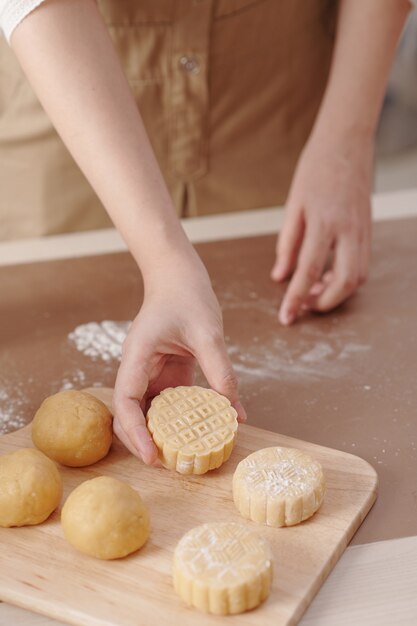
325 239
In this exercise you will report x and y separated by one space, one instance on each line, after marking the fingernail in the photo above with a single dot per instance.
240 411
145 448
148 455
317 289
327 277
286 317
276 272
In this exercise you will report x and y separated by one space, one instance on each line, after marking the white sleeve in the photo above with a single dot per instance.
12 13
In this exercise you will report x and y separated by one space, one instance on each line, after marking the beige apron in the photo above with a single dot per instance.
228 90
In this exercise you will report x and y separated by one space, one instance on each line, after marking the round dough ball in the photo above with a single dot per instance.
30 488
105 518
73 428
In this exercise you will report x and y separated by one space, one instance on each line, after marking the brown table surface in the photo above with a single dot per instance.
345 380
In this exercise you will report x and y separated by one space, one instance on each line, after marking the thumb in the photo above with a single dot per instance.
214 361
130 423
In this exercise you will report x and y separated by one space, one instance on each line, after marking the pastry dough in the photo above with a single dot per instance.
105 518
73 428
193 428
278 486
30 487
222 568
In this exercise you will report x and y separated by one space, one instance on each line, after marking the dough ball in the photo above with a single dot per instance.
30 488
73 428
105 518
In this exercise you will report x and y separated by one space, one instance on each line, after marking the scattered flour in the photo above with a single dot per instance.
11 410
16 408
75 381
307 359
320 351
100 340
353 348
316 355
311 358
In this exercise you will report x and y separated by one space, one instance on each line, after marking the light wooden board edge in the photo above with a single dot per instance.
360 590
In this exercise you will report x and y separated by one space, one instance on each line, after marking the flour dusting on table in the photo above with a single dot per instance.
100 340
16 399
315 357
12 403
76 380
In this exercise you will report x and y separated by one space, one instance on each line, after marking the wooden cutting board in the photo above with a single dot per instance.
41 572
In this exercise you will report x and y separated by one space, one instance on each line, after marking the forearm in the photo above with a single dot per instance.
68 56
367 35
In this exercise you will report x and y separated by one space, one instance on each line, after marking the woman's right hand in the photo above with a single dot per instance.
180 322
178 325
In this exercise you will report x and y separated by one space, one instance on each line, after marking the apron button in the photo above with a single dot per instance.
189 64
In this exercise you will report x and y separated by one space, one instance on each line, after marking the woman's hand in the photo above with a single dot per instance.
179 325
180 321
328 209
325 239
